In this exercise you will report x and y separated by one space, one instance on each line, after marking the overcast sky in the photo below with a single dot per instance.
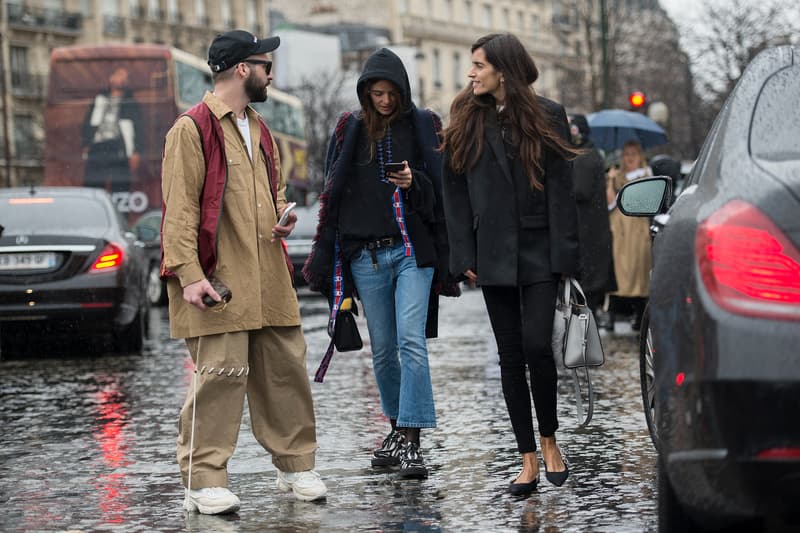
680 11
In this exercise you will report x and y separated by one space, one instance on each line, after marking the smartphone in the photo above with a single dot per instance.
394 167
285 216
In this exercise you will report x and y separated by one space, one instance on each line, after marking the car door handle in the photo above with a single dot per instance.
658 222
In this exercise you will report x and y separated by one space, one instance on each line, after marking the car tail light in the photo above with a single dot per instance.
779 453
110 259
747 264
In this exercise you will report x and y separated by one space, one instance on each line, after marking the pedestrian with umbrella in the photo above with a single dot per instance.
631 246
612 128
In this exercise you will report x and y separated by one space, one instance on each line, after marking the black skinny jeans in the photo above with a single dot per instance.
522 320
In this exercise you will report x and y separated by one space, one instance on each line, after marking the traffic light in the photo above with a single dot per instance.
637 100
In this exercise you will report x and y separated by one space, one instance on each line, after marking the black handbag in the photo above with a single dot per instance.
346 337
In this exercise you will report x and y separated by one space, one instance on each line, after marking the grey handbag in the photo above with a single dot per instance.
576 341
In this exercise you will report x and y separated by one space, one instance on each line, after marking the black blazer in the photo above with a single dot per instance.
509 238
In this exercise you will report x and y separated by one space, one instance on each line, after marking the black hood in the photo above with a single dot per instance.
385 65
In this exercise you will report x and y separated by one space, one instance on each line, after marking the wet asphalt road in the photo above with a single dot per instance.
88 443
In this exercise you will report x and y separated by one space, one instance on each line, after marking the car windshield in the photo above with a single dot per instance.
53 215
775 136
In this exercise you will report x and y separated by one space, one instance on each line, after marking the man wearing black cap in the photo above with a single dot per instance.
223 196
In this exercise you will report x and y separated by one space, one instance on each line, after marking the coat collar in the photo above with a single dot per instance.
495 141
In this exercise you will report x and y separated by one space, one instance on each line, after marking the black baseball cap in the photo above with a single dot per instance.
229 48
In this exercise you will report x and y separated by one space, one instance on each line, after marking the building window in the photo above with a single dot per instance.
487 16
468 12
111 7
437 69
535 22
200 11
448 10
403 6
458 76
521 19
250 11
172 11
428 8
153 10
225 10
20 76
25 144
506 19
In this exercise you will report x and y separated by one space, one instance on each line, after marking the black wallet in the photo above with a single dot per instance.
223 291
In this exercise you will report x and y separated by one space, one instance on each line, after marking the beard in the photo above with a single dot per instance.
254 89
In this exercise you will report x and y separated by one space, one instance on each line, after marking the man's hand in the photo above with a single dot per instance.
194 292
471 275
281 232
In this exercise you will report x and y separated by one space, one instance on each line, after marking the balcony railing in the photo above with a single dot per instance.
113 25
27 84
36 17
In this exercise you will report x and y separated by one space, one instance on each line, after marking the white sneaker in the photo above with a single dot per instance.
306 486
212 500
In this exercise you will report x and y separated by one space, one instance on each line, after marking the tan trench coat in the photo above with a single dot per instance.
253 267
631 248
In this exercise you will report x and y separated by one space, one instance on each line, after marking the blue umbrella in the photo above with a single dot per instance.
612 128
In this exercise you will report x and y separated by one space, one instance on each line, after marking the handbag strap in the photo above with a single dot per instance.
572 283
338 297
583 421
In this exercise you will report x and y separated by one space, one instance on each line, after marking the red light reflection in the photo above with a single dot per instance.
112 418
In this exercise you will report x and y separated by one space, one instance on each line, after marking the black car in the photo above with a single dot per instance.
148 229
721 337
298 243
68 264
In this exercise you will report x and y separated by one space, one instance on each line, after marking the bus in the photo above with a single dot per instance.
109 108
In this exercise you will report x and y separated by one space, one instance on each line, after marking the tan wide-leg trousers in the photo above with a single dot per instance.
269 366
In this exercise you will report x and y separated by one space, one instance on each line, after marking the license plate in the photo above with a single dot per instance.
28 261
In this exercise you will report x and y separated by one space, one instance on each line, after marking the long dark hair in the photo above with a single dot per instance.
532 125
375 123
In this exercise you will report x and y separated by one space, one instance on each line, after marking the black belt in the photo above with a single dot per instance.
385 242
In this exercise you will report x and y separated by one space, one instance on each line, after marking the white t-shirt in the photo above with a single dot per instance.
244 128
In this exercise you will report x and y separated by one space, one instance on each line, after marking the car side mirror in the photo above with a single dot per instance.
645 197
146 234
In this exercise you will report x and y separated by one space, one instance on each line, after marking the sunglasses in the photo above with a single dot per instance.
267 64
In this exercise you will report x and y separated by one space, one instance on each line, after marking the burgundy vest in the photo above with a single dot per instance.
213 142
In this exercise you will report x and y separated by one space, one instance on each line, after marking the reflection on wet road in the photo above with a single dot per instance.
89 444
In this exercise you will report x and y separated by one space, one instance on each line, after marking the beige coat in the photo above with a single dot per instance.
253 267
631 249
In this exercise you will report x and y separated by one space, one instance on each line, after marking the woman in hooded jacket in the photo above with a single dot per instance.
512 226
380 235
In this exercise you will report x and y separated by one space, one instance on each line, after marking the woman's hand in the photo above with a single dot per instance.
401 179
471 275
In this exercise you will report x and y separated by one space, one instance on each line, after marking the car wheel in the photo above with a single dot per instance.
648 377
671 515
131 338
156 294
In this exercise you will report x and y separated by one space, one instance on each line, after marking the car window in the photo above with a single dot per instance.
53 214
775 132
711 148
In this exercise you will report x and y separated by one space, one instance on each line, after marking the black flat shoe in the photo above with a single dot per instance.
557 478
523 489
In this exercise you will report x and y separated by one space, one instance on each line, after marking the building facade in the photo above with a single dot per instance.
443 30
30 29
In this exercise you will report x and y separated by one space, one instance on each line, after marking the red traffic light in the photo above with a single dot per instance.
637 99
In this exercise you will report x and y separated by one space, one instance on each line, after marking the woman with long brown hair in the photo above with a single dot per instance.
512 227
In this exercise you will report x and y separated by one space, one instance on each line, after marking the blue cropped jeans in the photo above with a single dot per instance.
395 301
